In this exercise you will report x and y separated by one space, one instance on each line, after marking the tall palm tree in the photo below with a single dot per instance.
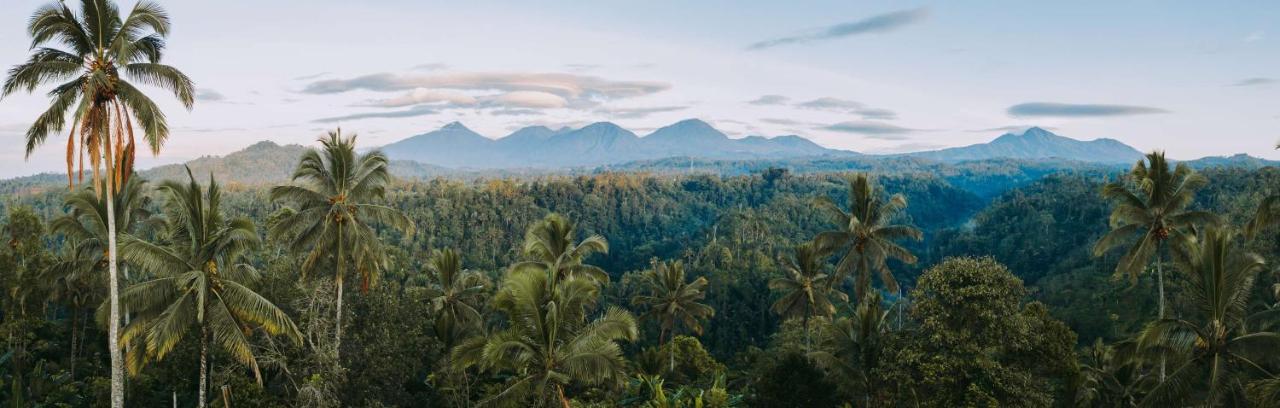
89 50
672 301
80 272
334 213
548 343
1150 216
866 235
456 298
1217 349
806 289
550 248
200 284
852 344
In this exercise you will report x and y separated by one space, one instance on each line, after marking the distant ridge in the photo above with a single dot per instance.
601 143
1037 143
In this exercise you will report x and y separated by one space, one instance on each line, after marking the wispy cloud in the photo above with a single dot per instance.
874 130
209 95
491 89
770 100
847 106
874 24
1073 110
638 112
1255 36
1254 82
434 66
420 110
310 77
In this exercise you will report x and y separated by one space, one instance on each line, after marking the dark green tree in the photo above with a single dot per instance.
90 50
200 283
1213 341
866 235
334 212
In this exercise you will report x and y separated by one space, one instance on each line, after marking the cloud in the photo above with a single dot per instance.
572 87
847 106
420 110
874 130
435 66
874 24
514 112
770 100
1071 110
1255 36
831 104
638 112
1254 82
531 100
310 77
876 113
209 95
782 121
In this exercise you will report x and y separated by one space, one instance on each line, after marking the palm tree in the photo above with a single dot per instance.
200 284
1215 345
852 344
90 50
79 272
456 296
867 235
1267 216
672 301
548 343
550 248
1152 214
333 214
806 289
1111 376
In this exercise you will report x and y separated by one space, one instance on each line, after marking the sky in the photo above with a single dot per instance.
1193 78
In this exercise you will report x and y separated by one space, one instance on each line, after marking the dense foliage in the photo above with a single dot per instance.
667 291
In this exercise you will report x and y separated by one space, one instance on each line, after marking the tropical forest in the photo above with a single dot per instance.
595 268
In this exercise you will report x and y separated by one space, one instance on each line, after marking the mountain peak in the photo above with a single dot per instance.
455 125
1038 143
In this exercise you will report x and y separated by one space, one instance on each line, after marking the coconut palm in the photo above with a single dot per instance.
1111 376
456 296
851 344
1218 352
200 284
806 289
549 247
334 213
93 58
866 235
1150 216
79 274
548 343
672 301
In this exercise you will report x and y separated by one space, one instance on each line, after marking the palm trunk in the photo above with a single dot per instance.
113 270
337 321
807 337
204 367
1160 288
75 317
564 402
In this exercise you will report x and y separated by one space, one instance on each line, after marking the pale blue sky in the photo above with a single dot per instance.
1191 77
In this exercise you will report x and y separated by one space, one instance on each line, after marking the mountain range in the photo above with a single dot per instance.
1037 143
689 145
602 143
